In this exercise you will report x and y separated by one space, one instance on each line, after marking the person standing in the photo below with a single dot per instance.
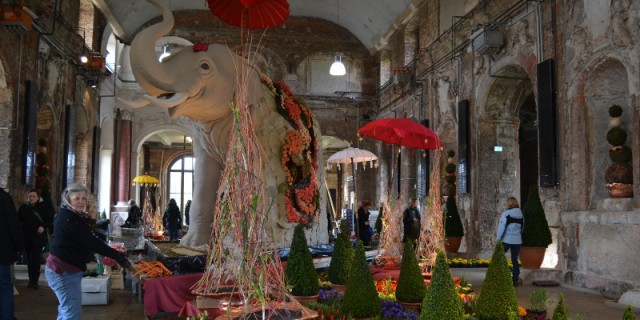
11 242
363 223
510 232
34 232
171 220
187 208
73 242
134 216
411 222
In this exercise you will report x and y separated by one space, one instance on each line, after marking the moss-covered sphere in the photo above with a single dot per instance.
451 154
621 154
450 168
616 136
450 178
615 110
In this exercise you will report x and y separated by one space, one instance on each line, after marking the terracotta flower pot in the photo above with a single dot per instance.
620 190
304 299
452 244
531 257
338 287
413 306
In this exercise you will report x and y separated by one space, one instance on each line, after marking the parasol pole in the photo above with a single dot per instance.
355 202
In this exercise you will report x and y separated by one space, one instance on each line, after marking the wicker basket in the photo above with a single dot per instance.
620 190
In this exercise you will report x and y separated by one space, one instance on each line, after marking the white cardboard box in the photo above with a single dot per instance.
96 290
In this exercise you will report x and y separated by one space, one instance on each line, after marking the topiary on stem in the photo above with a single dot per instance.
410 286
452 223
560 312
300 271
360 296
620 171
497 298
535 232
341 258
441 302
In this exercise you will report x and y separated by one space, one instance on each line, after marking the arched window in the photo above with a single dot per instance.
181 181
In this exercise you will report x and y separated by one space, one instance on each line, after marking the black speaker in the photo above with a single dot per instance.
463 147
547 126
29 142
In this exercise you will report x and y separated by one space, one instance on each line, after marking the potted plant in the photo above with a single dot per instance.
619 175
536 235
441 301
411 289
497 298
300 271
340 259
538 305
453 229
360 296
449 186
560 312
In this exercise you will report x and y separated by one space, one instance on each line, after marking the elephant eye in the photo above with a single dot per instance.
204 66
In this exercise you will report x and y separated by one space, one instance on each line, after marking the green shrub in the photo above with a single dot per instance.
535 232
411 286
538 300
451 153
360 296
450 178
628 314
560 312
452 223
42 142
621 154
42 158
341 258
619 173
377 227
441 301
300 271
615 111
497 298
616 136
450 168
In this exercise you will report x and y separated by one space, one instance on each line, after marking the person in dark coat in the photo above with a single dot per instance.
411 222
187 208
134 218
35 226
171 220
73 241
10 244
363 223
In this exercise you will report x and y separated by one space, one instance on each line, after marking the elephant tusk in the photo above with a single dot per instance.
137 104
177 99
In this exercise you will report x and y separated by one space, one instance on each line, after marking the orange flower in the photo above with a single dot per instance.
521 311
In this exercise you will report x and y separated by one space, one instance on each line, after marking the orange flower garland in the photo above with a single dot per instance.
299 157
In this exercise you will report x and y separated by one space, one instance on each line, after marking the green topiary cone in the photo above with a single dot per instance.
628 314
452 223
411 286
341 258
535 232
441 301
360 296
300 271
497 296
560 312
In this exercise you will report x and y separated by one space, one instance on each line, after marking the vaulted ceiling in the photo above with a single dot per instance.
371 21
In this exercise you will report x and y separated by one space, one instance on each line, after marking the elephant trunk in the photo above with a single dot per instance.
148 71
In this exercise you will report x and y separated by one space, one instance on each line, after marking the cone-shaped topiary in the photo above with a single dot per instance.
452 223
497 296
341 258
535 232
560 312
628 314
360 297
411 286
441 301
300 271
378 225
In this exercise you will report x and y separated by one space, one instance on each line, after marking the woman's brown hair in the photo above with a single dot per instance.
512 203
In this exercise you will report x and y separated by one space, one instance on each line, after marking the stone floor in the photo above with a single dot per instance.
42 303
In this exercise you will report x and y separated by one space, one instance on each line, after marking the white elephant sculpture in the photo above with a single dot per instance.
199 82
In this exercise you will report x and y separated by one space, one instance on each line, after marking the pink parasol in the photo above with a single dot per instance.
251 14
402 132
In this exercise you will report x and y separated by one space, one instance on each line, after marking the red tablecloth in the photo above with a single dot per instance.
168 294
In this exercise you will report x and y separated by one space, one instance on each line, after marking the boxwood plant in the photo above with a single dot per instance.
360 296
341 258
411 286
535 232
452 223
300 271
497 297
441 301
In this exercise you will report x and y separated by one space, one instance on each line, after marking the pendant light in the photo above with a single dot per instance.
165 52
337 68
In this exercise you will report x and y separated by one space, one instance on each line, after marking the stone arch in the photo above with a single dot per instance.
607 84
498 172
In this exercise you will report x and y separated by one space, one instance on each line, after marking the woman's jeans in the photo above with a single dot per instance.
68 289
515 251
6 292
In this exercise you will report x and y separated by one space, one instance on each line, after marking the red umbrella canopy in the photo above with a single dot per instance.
251 14
402 132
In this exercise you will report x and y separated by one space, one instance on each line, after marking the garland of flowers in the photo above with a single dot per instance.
299 155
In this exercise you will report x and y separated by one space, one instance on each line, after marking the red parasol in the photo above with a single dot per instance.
251 14
402 132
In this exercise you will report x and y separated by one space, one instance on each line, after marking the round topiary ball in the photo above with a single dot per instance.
42 158
616 136
619 173
620 154
451 154
42 171
450 178
450 168
448 189
42 142
615 110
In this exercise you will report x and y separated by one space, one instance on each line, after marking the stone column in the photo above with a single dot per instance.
121 178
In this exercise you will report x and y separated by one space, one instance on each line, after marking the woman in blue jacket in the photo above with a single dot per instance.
510 232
